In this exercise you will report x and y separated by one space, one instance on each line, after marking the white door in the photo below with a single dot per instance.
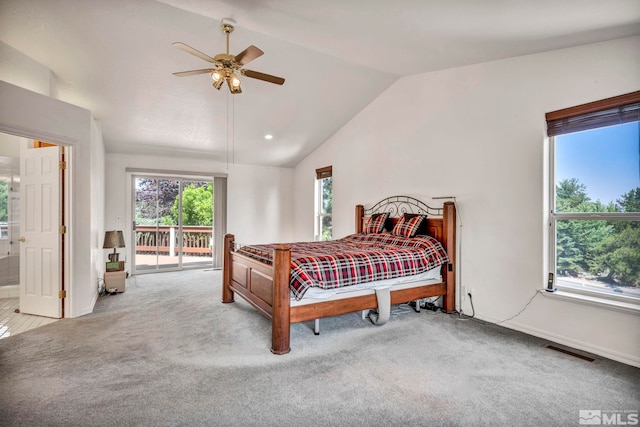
40 266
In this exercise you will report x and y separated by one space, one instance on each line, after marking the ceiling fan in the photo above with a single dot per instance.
228 67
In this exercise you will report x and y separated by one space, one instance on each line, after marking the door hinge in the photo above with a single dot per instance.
62 294
62 229
62 164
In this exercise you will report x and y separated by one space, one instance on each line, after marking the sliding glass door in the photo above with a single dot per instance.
173 223
197 223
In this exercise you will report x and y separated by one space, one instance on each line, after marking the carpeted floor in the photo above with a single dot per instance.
167 352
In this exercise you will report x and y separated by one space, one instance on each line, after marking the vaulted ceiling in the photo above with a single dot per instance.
115 58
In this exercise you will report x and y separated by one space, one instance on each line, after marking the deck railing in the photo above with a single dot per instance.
196 240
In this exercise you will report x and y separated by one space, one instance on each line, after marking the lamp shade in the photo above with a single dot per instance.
113 239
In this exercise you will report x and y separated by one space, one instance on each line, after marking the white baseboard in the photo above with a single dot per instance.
10 291
628 359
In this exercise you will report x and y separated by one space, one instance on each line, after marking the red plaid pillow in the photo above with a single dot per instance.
408 227
375 223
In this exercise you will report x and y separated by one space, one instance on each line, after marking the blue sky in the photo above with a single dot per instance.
606 160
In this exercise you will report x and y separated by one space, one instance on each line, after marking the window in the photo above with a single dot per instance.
178 221
324 202
595 199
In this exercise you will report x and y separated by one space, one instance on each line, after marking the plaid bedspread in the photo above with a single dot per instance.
357 258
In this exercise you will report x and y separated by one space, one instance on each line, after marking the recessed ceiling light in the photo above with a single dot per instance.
268 136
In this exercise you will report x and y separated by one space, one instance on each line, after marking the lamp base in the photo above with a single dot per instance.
113 257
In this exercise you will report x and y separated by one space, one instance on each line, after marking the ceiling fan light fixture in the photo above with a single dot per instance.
234 83
218 83
227 66
216 75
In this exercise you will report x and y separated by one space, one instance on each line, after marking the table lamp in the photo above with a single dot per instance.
113 239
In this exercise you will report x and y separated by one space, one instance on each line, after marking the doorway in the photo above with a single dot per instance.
172 223
29 293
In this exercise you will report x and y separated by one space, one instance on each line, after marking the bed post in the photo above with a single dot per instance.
449 241
227 293
359 218
281 308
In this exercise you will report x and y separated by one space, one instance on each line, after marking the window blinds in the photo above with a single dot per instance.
219 218
607 112
325 172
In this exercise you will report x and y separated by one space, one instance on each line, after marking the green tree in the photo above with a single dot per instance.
579 243
630 202
197 205
154 199
327 207
619 253
610 248
571 195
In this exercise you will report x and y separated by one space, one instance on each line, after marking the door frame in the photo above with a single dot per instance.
65 205
132 174
41 215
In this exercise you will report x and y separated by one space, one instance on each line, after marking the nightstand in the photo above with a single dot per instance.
115 281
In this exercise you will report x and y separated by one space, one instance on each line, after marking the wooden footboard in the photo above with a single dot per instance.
266 287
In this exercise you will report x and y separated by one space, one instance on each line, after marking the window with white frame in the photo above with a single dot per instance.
595 199
324 203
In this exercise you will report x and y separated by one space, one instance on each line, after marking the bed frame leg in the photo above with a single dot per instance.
417 306
227 293
281 307
316 327
449 240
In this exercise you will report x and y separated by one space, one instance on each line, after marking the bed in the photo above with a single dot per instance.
265 275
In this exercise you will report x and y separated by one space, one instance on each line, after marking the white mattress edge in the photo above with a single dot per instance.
350 293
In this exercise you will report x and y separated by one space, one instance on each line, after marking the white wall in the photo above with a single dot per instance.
97 208
260 203
477 132
10 147
259 198
18 69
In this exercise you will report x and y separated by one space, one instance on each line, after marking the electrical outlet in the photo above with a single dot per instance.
470 291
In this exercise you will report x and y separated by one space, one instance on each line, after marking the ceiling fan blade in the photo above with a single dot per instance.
193 72
248 55
193 51
261 76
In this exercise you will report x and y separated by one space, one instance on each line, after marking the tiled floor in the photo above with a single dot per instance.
12 323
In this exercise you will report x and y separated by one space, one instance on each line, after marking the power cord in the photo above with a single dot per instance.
473 310
523 308
461 316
